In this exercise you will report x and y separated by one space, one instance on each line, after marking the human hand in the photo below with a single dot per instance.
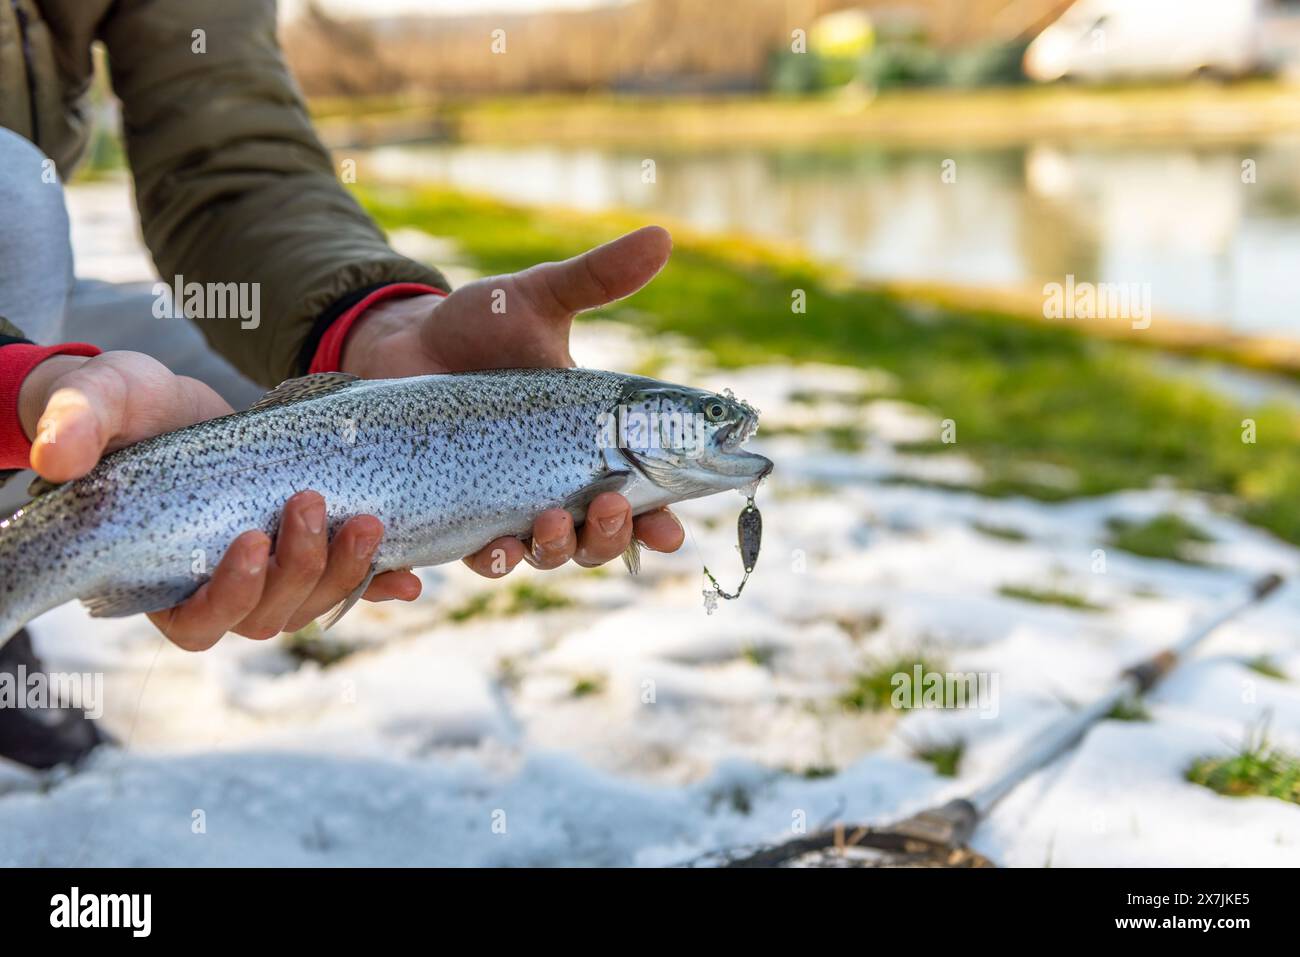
76 409
462 332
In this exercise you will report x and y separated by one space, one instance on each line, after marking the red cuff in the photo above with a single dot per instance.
16 361
329 354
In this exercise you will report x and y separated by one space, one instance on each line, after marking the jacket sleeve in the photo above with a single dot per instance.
231 182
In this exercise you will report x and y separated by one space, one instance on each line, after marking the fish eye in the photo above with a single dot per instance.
715 411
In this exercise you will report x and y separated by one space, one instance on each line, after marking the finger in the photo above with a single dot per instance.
401 585
199 622
81 415
553 539
200 402
111 401
301 551
659 530
350 555
607 532
497 558
531 334
598 276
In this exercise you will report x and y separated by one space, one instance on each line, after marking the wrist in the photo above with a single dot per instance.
34 393
365 337
365 349
328 354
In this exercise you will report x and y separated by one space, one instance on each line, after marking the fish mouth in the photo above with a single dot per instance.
729 459
731 437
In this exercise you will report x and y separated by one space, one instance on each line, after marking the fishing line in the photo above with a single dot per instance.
114 774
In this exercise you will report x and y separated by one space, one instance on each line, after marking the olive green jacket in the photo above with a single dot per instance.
231 183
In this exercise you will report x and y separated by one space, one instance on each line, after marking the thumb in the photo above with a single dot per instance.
599 276
84 412
113 400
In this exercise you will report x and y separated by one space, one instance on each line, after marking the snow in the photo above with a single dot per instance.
630 728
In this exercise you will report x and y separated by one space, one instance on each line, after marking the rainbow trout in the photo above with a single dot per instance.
448 463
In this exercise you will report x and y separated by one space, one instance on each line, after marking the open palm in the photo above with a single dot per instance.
522 320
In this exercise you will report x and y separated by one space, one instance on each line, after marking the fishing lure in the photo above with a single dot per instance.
749 536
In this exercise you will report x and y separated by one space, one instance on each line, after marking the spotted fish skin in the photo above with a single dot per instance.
448 463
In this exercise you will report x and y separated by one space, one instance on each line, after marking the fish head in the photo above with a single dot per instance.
686 440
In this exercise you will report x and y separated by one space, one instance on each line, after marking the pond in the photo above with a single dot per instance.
1211 232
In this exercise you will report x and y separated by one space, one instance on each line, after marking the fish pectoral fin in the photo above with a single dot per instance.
305 387
667 477
134 600
576 504
632 557
335 614
39 486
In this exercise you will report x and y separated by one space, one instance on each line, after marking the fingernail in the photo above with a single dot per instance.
313 516
364 546
551 544
611 525
543 550
676 521
258 562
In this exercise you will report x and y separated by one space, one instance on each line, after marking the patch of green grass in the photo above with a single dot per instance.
1023 392
476 606
734 798
525 598
1167 536
1257 770
757 655
873 688
1048 596
944 756
1004 532
844 438
814 397
1266 666
586 686
816 772
509 672
859 626
1130 709
521 598
313 644
651 365
913 116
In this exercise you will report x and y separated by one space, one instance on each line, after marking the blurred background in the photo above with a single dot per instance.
1102 139
871 202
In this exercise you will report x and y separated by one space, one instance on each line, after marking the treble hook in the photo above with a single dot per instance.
749 535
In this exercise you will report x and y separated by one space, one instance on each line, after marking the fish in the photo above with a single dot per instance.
449 463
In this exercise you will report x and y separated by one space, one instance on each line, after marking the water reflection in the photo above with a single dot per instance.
1215 231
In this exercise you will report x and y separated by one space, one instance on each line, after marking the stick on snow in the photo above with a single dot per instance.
937 837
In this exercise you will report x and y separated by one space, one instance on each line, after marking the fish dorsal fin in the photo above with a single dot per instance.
39 486
305 387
